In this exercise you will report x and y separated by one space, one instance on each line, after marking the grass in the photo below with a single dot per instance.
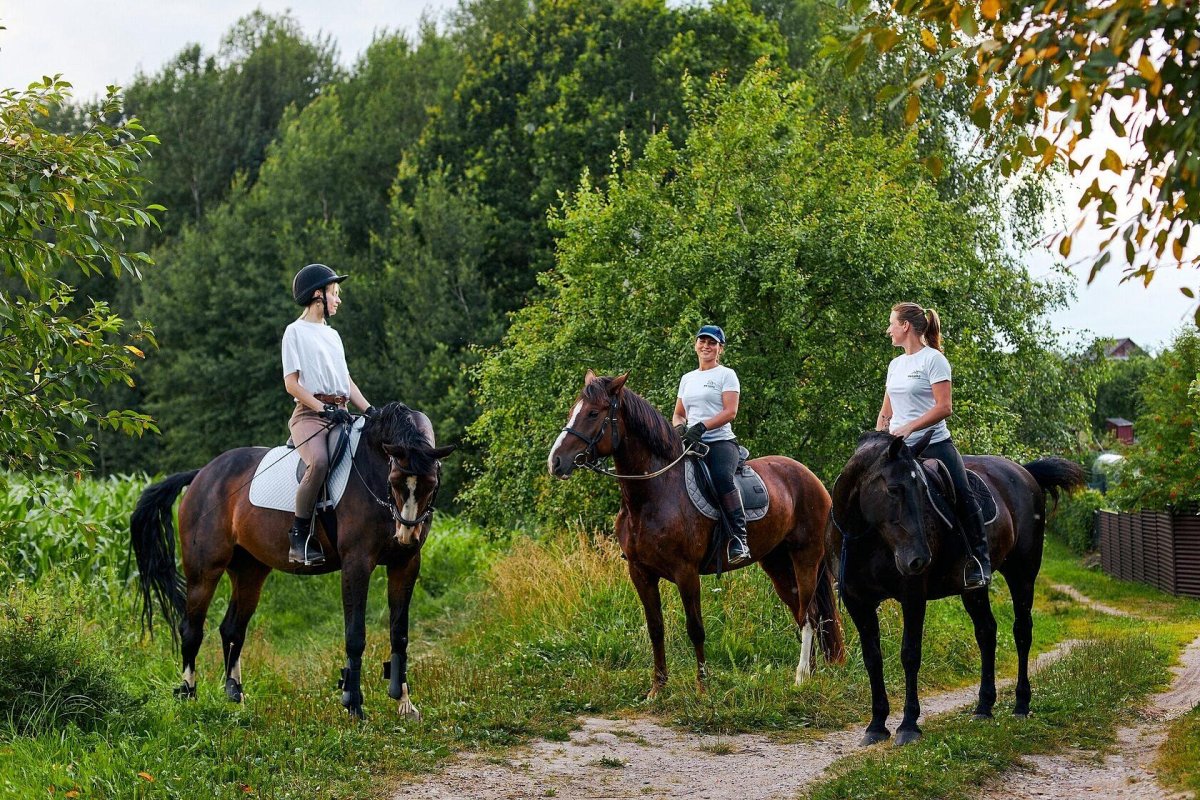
506 646
1178 762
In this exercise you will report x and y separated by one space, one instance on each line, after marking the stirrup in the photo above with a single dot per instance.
735 555
310 558
984 580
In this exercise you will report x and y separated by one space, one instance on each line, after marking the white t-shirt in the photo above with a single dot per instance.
910 382
315 351
700 390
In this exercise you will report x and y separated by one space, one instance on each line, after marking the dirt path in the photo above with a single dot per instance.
1080 597
1124 775
639 758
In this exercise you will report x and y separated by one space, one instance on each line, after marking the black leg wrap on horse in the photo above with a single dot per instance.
185 692
233 691
394 671
351 686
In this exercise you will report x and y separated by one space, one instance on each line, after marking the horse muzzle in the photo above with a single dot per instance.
912 562
560 466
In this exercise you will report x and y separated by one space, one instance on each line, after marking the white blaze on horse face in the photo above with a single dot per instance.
404 533
562 436
804 668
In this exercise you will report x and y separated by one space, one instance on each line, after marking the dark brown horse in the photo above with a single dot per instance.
891 543
383 519
663 536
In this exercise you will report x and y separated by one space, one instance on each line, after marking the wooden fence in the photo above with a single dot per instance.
1159 548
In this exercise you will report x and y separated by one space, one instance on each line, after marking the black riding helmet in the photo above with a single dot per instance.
311 278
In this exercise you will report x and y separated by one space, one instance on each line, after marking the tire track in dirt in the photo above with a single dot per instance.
641 758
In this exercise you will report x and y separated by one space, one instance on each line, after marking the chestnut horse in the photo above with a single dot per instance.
886 538
383 518
663 536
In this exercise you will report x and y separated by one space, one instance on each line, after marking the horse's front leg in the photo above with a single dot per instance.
356 575
866 619
688 583
913 608
979 606
401 580
646 585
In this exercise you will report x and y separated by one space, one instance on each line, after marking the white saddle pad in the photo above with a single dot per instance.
701 502
274 484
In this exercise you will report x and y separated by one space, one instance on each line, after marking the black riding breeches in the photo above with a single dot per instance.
945 452
722 460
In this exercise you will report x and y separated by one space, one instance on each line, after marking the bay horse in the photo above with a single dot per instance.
663 536
888 541
383 518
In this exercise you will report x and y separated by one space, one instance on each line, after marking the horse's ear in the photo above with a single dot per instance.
589 377
895 447
396 451
617 384
441 452
922 443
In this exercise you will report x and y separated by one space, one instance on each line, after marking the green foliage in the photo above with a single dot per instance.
53 672
1061 65
1073 520
1119 392
1178 763
797 237
1159 469
68 203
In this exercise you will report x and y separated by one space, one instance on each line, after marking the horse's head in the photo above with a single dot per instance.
414 475
889 497
593 427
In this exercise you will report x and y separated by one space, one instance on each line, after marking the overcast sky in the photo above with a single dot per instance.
93 44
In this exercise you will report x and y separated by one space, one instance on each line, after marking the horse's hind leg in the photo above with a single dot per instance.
1020 586
646 585
688 583
247 575
979 606
780 569
200 590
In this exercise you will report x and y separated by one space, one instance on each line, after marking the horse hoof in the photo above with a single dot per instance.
233 691
185 692
408 711
356 712
1021 714
907 737
981 716
874 737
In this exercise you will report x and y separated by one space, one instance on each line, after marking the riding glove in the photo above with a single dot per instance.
692 435
681 429
336 416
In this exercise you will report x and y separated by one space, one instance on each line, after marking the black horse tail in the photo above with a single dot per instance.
152 537
827 620
1056 474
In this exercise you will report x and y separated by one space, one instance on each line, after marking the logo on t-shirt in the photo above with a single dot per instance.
915 375
711 384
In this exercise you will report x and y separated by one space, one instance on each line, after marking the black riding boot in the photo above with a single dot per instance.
739 551
978 572
305 548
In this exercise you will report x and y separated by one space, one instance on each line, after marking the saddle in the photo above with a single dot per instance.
940 489
755 499
280 471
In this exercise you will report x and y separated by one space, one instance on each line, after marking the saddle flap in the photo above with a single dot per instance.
278 475
983 496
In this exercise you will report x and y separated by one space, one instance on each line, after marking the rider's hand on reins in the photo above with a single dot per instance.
336 416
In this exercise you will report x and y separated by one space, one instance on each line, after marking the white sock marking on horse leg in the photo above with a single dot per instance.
562 436
804 668
236 672
189 677
405 704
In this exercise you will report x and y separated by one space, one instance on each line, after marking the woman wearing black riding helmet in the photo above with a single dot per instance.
316 375
706 403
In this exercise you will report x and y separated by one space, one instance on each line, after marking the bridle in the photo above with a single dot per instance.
390 504
589 459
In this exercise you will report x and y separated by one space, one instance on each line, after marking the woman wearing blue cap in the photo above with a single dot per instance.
706 404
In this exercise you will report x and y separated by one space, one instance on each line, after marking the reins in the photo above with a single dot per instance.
594 466
588 458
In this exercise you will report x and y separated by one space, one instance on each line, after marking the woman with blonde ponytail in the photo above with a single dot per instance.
918 400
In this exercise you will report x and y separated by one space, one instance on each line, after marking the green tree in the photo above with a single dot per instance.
797 236
1160 468
68 202
1060 64
1119 392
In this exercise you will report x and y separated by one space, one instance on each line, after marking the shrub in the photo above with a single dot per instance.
53 671
1073 520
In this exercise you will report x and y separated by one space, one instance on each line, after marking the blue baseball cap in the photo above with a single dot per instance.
712 331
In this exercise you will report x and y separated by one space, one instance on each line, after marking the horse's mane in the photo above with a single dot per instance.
397 424
642 419
867 450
